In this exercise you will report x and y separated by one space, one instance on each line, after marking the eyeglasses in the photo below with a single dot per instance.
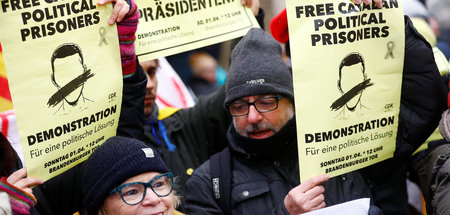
133 193
262 105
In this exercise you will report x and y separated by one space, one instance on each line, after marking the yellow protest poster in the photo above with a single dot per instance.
172 26
63 65
347 64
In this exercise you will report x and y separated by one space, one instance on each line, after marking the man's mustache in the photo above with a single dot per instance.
259 127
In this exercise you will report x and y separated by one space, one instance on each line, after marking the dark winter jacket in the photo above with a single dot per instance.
265 184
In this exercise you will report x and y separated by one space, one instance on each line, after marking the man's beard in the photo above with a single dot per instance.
257 127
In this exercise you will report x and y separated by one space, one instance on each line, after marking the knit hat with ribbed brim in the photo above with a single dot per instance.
115 161
257 68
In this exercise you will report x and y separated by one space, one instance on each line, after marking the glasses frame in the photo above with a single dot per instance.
277 98
146 185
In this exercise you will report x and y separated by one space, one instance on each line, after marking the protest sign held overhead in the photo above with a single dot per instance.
63 66
347 64
173 26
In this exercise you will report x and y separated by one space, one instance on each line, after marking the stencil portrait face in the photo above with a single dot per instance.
65 70
350 77
68 74
351 83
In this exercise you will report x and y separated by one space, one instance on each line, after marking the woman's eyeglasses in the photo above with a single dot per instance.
133 193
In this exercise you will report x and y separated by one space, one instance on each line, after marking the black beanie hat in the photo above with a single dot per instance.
257 68
115 161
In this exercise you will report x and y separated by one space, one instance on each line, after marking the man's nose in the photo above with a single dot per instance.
253 114
150 82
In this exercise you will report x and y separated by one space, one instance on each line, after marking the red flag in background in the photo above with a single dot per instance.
5 96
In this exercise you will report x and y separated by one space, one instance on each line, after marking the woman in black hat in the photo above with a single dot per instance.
125 176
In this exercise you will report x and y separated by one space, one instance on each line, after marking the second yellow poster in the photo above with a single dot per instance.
347 69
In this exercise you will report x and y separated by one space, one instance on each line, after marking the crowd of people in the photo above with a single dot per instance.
235 151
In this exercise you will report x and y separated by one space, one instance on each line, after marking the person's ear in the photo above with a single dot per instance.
339 85
52 76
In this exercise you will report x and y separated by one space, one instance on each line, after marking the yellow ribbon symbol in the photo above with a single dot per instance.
390 47
189 171
102 32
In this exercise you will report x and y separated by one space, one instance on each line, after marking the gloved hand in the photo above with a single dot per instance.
21 201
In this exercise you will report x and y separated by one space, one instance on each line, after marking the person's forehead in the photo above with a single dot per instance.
206 62
149 63
353 68
149 67
253 97
358 64
73 57
143 177
67 65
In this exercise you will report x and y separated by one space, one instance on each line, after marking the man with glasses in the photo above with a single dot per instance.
262 157
263 143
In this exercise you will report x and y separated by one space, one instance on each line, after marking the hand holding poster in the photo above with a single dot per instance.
173 26
63 65
347 69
